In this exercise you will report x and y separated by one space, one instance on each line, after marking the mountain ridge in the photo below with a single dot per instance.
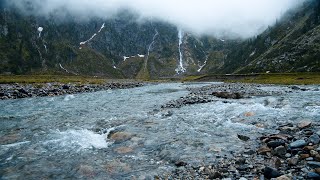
124 48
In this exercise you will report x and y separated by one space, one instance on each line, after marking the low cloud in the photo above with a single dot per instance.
220 18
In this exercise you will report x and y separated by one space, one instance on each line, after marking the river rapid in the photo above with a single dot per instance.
125 134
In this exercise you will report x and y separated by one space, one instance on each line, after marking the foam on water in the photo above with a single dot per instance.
14 144
82 139
69 97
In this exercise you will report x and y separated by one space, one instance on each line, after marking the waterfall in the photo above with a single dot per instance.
149 48
180 68
93 36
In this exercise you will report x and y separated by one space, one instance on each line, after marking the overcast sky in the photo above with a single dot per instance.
244 18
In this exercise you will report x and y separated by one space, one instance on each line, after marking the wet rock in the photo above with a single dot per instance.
295 87
243 137
308 148
167 114
276 143
293 161
313 164
87 171
284 177
65 86
298 144
180 163
123 150
116 166
287 155
263 150
249 114
317 170
317 157
228 95
119 137
304 124
309 159
215 175
313 175
314 139
250 152
304 156
271 173
280 151
313 153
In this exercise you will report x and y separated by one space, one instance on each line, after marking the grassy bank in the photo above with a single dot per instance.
276 78
33 79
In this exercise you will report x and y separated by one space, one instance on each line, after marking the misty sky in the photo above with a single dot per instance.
240 18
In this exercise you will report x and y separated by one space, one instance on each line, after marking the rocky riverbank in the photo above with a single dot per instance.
16 91
293 153
230 91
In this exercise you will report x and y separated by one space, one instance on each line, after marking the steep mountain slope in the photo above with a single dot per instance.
123 47
291 45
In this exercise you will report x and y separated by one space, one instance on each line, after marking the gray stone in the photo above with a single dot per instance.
274 144
313 175
288 155
314 164
315 139
271 173
243 137
293 161
309 159
298 144
280 151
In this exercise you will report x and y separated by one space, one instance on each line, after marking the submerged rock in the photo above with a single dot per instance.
304 124
119 137
243 137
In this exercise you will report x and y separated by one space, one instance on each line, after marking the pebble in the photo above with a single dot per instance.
313 175
309 159
293 161
287 155
274 144
9 91
314 164
315 139
304 124
280 151
243 137
298 144
284 177
271 173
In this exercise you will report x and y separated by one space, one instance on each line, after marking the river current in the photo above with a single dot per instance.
71 136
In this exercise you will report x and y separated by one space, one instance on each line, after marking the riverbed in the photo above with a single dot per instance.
125 134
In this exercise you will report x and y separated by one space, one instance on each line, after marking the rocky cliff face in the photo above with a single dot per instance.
125 48
291 45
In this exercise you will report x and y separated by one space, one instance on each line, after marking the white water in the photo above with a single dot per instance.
180 68
79 139
125 58
150 47
63 68
40 29
49 133
204 64
93 36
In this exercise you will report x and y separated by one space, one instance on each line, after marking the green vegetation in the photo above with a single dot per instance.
193 78
272 78
286 79
34 79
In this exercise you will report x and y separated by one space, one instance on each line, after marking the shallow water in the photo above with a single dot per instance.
66 136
